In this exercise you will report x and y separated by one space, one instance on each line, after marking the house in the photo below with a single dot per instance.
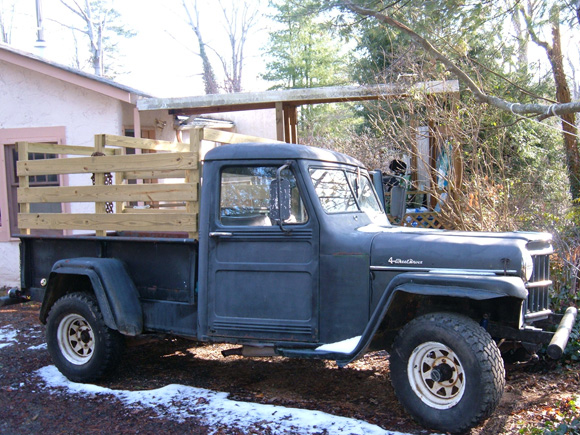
46 102
41 101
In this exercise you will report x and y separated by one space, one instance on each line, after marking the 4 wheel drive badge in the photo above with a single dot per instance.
407 261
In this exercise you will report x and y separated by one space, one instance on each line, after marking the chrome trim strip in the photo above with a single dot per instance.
445 270
545 283
538 315
541 252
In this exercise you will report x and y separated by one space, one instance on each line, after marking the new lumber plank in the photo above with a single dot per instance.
144 144
102 164
231 138
150 175
111 193
112 222
72 150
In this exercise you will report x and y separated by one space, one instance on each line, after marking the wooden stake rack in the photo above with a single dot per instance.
154 190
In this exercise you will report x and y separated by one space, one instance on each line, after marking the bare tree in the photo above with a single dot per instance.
6 17
193 17
239 19
565 108
100 21
553 50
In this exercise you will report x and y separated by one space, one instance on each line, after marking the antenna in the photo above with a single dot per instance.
40 42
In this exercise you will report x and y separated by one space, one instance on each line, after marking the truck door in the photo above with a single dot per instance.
262 276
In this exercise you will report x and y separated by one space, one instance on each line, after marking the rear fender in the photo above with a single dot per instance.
115 291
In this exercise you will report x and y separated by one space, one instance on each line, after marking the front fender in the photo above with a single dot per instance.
115 291
476 287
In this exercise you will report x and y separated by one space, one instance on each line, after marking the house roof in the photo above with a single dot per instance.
70 75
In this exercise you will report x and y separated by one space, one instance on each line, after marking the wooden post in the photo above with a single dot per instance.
23 182
280 121
119 179
292 123
100 207
192 176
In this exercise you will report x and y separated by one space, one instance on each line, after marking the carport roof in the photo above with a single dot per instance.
216 103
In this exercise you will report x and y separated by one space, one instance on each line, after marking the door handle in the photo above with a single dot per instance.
220 234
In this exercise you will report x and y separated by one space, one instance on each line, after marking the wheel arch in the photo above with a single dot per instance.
108 280
438 289
495 309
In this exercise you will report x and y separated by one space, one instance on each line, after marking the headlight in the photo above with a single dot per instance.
527 266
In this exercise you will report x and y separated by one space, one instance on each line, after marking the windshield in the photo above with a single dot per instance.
341 191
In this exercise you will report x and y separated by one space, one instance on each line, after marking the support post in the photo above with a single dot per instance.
23 182
280 121
193 176
100 207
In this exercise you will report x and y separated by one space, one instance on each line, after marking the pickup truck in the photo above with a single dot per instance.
294 257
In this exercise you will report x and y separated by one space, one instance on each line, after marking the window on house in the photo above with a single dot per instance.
11 157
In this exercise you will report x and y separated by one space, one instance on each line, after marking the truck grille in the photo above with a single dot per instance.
538 287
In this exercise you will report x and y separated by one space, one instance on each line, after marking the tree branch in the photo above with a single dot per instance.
544 111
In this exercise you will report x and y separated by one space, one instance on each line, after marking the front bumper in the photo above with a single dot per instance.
538 335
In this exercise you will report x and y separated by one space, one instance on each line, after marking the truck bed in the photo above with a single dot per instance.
162 268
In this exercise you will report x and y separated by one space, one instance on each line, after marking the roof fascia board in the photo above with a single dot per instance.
66 76
268 99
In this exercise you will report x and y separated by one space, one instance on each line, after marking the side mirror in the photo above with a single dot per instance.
280 200
398 201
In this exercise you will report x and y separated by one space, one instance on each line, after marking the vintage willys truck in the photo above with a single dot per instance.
293 256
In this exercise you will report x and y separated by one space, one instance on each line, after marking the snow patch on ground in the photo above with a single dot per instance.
39 347
179 402
345 346
7 336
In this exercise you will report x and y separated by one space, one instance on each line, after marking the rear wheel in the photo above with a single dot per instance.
81 345
447 371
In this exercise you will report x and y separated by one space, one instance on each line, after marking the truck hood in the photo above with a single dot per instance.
408 249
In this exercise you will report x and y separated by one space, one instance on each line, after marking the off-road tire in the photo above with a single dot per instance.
462 355
81 345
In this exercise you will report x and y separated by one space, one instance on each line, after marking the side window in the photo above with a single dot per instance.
245 196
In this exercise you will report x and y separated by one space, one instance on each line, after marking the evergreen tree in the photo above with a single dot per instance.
306 53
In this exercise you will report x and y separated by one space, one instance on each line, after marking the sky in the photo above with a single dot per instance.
160 58
180 402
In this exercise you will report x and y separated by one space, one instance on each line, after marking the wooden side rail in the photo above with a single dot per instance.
154 188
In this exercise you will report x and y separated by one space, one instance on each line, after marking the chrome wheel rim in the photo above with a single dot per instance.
76 339
436 375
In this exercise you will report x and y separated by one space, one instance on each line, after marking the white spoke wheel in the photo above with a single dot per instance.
436 375
76 339
446 371
80 343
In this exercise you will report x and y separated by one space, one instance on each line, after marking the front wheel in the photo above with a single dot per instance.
81 345
447 371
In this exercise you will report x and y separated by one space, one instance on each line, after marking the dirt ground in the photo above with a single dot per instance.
362 390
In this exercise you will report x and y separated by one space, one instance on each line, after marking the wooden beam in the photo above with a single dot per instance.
228 137
98 180
152 175
72 150
23 181
143 144
117 192
103 164
280 121
110 222
216 103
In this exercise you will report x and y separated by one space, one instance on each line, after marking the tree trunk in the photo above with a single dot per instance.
569 129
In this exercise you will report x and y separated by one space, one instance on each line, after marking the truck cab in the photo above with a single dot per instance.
302 279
